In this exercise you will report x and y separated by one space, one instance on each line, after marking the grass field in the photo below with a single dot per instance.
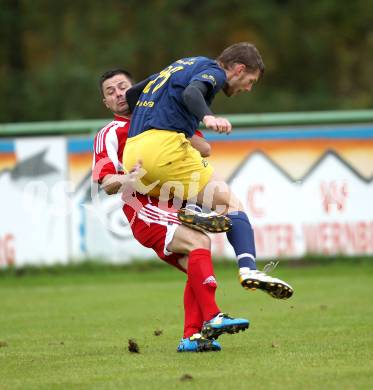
70 329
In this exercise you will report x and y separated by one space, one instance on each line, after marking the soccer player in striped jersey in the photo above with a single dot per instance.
158 227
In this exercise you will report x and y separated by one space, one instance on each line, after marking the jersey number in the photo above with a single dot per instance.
161 79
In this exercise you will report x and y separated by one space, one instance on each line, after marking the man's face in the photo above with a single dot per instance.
114 90
239 80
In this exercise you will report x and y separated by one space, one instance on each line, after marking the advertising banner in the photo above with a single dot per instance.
306 191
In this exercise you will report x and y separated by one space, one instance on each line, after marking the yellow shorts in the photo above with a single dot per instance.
170 163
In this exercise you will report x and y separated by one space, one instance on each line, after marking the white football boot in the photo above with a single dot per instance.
251 279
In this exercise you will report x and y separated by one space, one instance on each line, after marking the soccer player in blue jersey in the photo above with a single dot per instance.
167 109
158 229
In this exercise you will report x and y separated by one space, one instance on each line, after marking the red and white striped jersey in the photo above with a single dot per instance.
108 148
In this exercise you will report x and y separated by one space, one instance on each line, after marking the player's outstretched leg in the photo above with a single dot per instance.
241 237
210 223
198 343
222 323
253 279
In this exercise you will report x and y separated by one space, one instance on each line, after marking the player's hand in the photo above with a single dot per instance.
134 173
133 179
218 124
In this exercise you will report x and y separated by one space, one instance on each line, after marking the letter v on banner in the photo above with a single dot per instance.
334 196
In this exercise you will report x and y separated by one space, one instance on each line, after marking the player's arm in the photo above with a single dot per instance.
111 184
201 145
133 94
106 170
114 183
194 99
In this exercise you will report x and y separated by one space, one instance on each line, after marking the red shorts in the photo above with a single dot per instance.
152 226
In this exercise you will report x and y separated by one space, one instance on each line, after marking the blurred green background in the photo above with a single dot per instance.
318 55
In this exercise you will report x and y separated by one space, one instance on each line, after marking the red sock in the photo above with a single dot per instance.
193 320
202 280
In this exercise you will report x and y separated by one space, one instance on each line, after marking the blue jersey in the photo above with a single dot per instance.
161 106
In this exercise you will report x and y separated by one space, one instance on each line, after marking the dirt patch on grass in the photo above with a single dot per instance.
186 377
133 347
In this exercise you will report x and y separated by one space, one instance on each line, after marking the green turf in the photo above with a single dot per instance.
70 330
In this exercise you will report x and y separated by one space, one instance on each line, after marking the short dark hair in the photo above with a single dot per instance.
111 73
242 53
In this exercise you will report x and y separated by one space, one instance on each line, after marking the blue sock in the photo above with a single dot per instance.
241 237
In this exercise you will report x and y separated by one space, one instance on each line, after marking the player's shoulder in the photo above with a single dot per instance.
105 128
209 71
114 125
206 61
121 124
211 66
196 61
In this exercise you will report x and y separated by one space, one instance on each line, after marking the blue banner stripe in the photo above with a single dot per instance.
80 145
7 147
